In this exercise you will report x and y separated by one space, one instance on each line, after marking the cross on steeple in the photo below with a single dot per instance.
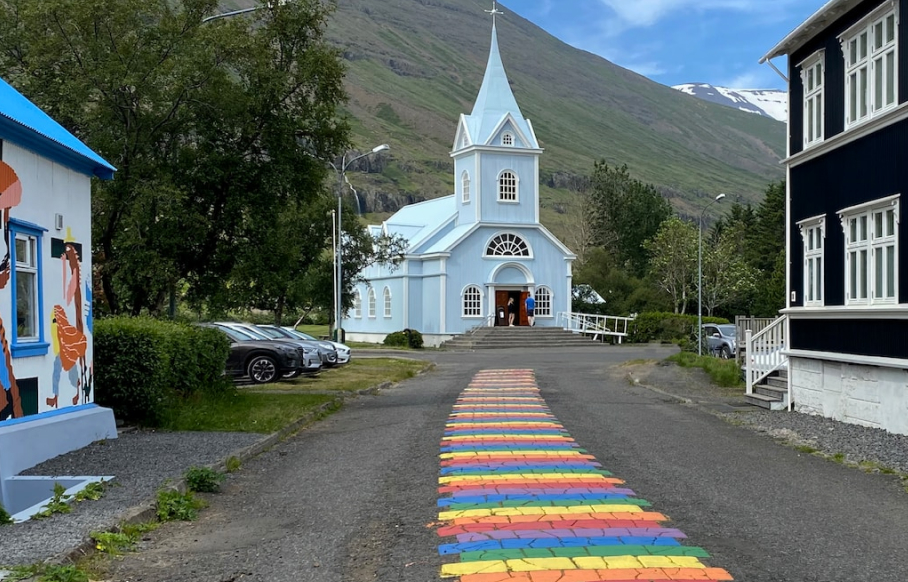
494 11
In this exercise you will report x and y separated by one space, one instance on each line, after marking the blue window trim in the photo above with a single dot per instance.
32 348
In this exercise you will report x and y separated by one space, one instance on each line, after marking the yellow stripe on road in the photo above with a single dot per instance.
580 563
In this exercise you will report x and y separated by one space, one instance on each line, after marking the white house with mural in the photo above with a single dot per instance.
46 374
469 253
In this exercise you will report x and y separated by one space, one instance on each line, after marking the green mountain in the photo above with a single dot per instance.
415 65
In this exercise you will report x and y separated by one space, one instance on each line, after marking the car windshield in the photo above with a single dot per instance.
254 332
235 335
728 330
270 332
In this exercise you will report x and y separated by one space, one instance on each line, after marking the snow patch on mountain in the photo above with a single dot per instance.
768 102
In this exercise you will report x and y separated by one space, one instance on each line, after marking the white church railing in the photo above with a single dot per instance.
597 326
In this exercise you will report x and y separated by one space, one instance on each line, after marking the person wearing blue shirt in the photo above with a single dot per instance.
531 313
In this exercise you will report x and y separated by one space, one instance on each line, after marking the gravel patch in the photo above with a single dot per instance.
141 462
857 443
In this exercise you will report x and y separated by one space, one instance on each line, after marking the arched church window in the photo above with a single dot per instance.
465 186
508 245
507 139
472 301
357 304
507 187
371 302
387 299
543 302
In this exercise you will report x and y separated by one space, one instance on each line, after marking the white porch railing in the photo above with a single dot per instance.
597 326
764 351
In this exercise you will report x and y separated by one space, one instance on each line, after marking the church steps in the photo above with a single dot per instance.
491 338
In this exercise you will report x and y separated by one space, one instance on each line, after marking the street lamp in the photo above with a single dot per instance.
338 257
244 10
700 277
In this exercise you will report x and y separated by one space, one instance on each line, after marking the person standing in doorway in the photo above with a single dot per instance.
512 312
531 310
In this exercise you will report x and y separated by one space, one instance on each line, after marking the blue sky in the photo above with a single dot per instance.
676 41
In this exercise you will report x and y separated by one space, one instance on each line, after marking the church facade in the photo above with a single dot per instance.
469 253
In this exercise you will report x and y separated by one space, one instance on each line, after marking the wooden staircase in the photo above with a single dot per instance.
771 393
491 338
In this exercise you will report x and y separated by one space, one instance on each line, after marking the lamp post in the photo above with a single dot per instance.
244 10
700 277
339 255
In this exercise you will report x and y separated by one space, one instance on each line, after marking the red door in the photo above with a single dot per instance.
501 308
522 309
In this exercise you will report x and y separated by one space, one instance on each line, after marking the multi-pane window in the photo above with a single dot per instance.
543 302
371 302
507 139
813 231
507 187
508 245
871 76
25 274
871 254
812 77
472 302
465 186
357 305
387 298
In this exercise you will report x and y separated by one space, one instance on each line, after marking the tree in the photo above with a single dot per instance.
727 276
673 260
201 119
625 212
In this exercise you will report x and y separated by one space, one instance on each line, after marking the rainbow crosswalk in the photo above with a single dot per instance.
523 502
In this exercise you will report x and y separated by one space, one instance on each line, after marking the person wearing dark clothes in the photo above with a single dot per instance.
531 310
512 312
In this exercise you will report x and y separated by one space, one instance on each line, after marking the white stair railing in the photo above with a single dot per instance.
594 325
764 351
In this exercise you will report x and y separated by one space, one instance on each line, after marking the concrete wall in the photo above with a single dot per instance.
866 395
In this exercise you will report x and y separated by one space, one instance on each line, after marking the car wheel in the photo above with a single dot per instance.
292 375
262 369
725 353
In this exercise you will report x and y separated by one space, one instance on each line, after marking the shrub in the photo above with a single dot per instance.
203 480
668 327
5 517
408 338
143 365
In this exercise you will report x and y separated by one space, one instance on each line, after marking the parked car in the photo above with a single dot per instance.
260 361
326 351
310 362
343 351
721 340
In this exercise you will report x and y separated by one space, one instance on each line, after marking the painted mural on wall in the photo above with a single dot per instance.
68 337
10 197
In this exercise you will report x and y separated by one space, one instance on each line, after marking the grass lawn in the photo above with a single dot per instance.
725 373
357 375
316 331
242 412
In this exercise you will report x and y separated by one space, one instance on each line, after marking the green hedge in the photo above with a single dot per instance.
667 327
408 338
143 366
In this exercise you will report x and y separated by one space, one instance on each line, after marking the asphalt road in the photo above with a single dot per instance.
353 498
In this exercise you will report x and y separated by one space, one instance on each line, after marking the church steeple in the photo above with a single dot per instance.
496 101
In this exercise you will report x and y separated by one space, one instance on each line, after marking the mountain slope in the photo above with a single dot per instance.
415 65
769 102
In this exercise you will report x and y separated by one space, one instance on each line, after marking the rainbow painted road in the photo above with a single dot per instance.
523 502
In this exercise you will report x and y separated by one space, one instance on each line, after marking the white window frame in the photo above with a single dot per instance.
507 139
510 240
471 302
544 299
26 265
386 298
371 303
357 304
813 77
813 233
872 252
508 193
870 51
465 187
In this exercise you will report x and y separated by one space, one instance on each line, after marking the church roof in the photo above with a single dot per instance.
416 222
26 124
495 101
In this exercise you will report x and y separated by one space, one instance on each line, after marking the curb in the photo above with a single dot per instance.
147 511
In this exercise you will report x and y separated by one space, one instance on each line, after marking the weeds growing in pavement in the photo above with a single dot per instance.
57 504
63 574
233 465
92 492
5 517
176 506
203 480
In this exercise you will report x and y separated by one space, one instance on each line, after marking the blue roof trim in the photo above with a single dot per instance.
22 122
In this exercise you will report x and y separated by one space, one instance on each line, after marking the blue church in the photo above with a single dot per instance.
469 253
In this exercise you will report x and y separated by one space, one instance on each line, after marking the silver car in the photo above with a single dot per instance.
721 339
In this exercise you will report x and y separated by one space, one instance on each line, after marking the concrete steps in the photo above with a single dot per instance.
491 338
772 393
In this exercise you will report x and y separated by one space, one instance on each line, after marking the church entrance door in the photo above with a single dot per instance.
501 306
